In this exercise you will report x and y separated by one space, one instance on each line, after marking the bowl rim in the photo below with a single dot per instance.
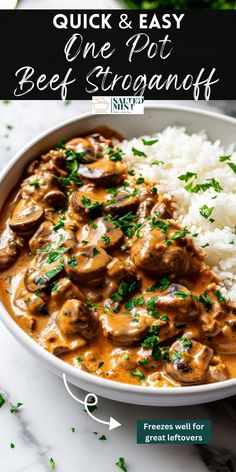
55 363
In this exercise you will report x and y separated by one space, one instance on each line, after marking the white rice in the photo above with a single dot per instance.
183 153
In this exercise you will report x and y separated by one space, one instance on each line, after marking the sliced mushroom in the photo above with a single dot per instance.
46 235
189 361
217 371
179 300
124 202
215 319
225 341
87 148
86 264
85 203
75 317
55 198
54 341
104 173
103 233
8 254
27 301
151 253
40 272
64 290
26 217
126 329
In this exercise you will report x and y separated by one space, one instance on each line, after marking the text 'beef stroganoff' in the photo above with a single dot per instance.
96 269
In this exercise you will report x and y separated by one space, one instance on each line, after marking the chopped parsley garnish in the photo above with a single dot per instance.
2 400
12 445
136 152
149 142
140 180
91 206
53 272
55 288
127 223
14 408
124 289
177 235
73 430
61 144
52 463
179 325
135 301
43 309
164 317
38 293
157 163
151 306
144 362
116 155
224 158
35 183
152 342
101 363
53 254
219 296
232 166
131 172
79 359
202 187
106 239
72 177
126 356
72 262
182 295
154 190
121 464
102 438
60 223
187 176
138 373
187 342
162 284
205 299
176 356
206 211
108 150
154 223
95 252
113 191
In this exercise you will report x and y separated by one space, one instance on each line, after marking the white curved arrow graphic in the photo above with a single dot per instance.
87 403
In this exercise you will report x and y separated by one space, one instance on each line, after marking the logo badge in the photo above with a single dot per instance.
118 105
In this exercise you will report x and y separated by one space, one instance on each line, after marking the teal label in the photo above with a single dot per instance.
173 431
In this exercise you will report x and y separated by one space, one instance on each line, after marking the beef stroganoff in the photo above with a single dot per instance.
99 269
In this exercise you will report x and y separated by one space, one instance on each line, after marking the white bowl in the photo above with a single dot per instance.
154 119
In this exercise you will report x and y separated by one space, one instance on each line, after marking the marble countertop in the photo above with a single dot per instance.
41 429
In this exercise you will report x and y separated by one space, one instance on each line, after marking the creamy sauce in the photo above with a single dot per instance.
67 275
